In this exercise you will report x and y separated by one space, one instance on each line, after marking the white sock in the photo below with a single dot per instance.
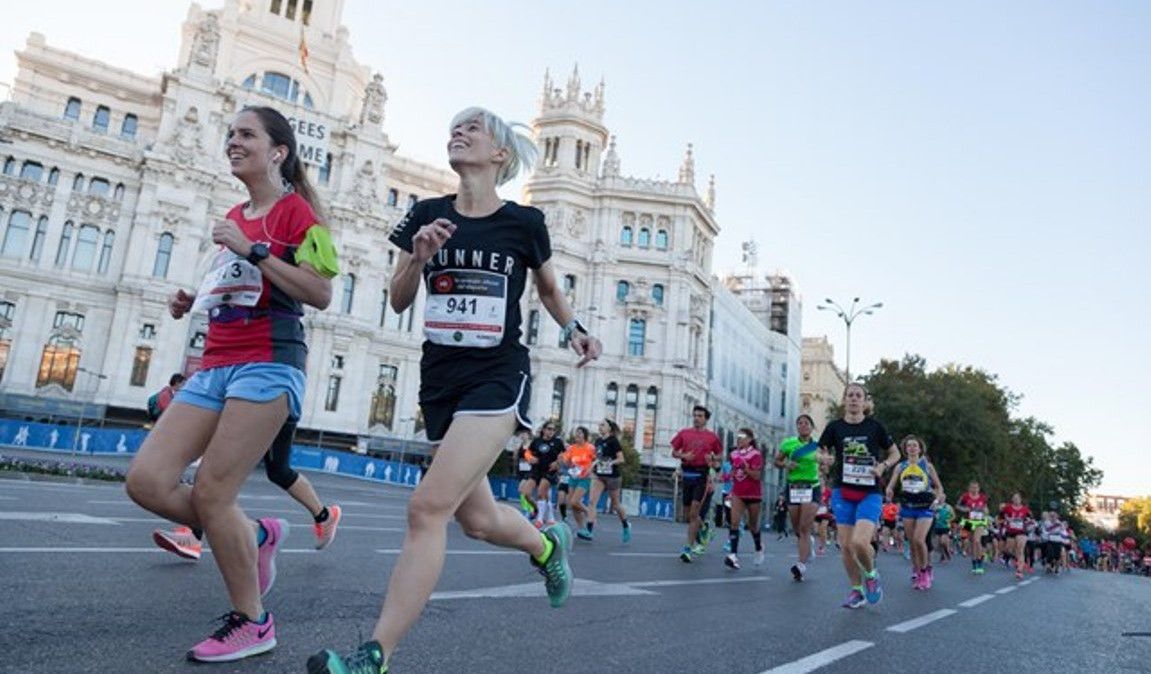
541 510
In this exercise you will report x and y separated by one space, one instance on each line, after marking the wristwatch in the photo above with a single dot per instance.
573 326
258 254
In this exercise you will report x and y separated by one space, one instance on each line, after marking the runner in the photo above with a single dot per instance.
273 258
944 514
825 521
973 506
1016 516
746 496
1053 534
696 448
799 455
578 460
857 450
159 401
889 536
473 250
546 450
919 490
608 459
522 460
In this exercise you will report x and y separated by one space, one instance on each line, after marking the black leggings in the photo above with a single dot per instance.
277 461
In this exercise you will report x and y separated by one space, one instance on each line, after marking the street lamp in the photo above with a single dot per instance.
849 315
80 417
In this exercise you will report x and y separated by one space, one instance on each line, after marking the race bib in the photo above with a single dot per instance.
822 510
801 495
913 484
466 307
525 466
565 478
859 470
1015 524
575 471
230 280
977 515
604 467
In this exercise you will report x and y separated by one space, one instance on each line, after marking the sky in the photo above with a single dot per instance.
983 168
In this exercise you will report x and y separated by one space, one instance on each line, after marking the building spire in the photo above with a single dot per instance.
687 169
611 160
574 84
711 193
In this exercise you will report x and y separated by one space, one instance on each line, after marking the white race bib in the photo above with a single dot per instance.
1015 524
859 470
822 510
525 466
466 307
800 494
913 484
231 280
977 515
565 478
574 471
604 467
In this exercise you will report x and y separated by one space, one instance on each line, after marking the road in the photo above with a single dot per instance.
85 591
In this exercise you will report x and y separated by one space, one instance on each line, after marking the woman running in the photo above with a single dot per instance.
919 490
523 460
1016 516
942 531
273 258
857 450
608 459
473 252
799 455
546 450
746 496
577 461
973 506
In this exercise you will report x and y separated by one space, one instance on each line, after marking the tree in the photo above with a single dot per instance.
629 470
1135 520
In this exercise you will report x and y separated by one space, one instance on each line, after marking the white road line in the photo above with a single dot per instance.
821 659
916 623
1005 590
1028 581
701 581
970 603
396 551
581 588
62 518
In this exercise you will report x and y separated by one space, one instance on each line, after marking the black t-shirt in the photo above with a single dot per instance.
546 451
474 284
858 447
606 451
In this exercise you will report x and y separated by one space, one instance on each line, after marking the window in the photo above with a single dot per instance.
611 401
337 361
72 109
163 256
10 166
661 239
412 200
657 294
332 398
118 193
85 253
383 411
393 197
383 306
65 244
249 82
198 340
100 119
291 13
636 334
58 364
644 237
38 239
630 410
533 335
32 170
569 287
325 174
651 410
106 252
306 12
16 234
622 290
277 85
140 366
625 235
559 394
128 127
349 293
7 311
579 154
54 176
148 331
78 183
98 186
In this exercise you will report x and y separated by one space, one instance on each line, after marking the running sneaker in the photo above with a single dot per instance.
276 530
698 549
585 534
179 541
550 522
797 570
556 570
871 587
855 599
236 639
979 570
325 531
625 535
528 507
727 546
759 558
731 561
685 554
368 658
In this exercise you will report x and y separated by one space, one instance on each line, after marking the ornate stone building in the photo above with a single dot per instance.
823 382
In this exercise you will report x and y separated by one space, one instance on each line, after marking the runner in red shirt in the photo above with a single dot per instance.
1016 516
973 505
696 448
746 495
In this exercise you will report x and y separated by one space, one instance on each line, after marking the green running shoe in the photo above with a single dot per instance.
367 659
557 571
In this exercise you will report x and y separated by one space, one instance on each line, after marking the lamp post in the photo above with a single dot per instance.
849 315
80 417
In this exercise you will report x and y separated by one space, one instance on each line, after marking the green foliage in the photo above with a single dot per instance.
1135 520
965 417
61 468
629 471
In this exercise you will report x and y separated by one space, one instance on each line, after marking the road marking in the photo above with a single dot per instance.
396 551
1028 581
821 659
1005 590
581 588
701 581
63 518
970 603
916 623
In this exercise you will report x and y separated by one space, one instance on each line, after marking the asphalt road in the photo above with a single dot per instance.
83 590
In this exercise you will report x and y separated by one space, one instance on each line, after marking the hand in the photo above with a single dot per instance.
587 347
180 303
228 234
791 465
431 238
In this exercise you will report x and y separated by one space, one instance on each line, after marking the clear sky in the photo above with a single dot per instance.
982 168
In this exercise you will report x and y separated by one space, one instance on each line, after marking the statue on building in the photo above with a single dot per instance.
206 43
187 140
364 195
372 114
687 169
611 160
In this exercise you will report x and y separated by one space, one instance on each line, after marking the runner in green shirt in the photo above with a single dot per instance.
800 456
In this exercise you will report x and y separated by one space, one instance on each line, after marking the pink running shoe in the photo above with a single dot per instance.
277 530
179 541
326 531
236 639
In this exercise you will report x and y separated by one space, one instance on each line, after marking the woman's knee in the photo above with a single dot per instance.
142 487
208 500
427 509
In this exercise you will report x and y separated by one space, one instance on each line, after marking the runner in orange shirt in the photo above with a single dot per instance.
577 461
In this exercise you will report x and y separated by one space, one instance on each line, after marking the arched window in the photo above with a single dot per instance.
651 411
625 235
559 394
163 256
661 239
78 183
58 363
622 290
579 154
280 86
383 410
657 294
32 170
16 234
54 176
98 186
118 193
644 237
249 82
128 127
106 252
636 336
393 197
38 239
85 253
101 118
630 411
65 246
611 401
72 108
349 293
